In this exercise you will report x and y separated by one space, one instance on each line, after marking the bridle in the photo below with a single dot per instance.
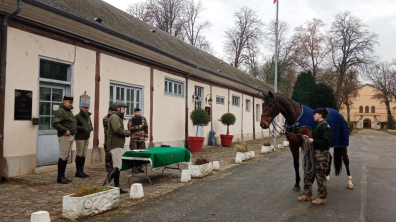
271 121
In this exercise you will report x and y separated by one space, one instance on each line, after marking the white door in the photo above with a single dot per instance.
50 99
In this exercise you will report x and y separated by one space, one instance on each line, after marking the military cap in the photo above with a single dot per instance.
68 97
319 110
118 104
110 108
136 109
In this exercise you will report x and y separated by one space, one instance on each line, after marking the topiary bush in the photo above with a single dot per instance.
228 119
350 126
199 117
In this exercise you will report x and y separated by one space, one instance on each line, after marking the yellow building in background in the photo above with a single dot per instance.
367 112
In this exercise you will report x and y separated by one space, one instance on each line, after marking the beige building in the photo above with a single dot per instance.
58 47
367 112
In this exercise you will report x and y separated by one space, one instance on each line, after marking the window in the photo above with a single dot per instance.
367 109
235 101
54 70
220 100
373 109
258 113
247 105
198 97
173 87
130 94
360 109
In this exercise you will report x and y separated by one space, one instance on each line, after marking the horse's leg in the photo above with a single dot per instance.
296 154
327 172
345 158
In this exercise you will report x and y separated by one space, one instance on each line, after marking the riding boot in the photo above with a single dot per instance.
82 163
61 173
111 175
64 165
78 168
117 182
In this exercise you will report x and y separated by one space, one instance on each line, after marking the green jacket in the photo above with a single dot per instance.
64 120
322 136
116 132
84 126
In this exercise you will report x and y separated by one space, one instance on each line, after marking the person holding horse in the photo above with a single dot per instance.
320 140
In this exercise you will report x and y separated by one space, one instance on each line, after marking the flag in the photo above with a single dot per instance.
275 1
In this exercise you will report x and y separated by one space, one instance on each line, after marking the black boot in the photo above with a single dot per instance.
78 168
111 175
82 163
64 162
61 173
117 182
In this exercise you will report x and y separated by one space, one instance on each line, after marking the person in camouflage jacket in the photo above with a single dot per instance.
320 140
138 127
108 159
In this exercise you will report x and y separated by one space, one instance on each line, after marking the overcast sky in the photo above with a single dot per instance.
380 16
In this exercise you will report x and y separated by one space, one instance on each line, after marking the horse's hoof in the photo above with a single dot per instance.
350 186
296 189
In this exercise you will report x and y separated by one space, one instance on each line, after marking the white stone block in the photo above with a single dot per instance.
75 207
40 216
280 146
272 148
216 165
185 176
244 156
199 171
238 159
285 143
265 149
136 191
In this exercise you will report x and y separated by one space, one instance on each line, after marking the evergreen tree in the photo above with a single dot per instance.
304 89
323 97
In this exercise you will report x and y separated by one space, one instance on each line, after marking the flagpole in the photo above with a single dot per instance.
276 66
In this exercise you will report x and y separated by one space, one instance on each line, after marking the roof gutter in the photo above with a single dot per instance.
3 63
127 38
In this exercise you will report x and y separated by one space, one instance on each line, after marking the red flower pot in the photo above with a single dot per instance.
226 140
195 143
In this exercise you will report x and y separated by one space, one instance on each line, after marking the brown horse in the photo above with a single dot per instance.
277 103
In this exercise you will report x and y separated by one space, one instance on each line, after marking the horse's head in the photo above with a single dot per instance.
270 109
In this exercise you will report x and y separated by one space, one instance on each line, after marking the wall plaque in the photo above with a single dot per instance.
23 105
85 100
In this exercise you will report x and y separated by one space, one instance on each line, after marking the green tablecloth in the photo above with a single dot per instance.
158 156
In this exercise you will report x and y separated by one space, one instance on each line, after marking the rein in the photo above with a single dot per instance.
308 163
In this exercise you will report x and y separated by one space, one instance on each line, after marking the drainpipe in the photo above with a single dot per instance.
3 63
254 119
187 108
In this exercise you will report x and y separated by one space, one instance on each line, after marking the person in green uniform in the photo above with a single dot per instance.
138 127
116 134
320 140
65 123
84 128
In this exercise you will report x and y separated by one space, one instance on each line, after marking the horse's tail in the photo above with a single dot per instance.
337 160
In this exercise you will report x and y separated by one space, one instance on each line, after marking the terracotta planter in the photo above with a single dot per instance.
226 140
195 143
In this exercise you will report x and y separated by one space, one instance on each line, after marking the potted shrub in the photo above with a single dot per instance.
266 147
201 168
199 117
227 119
87 201
243 152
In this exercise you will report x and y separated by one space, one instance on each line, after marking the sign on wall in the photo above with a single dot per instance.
85 100
23 105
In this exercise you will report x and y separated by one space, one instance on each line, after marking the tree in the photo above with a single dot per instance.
381 76
323 96
243 37
311 49
304 89
351 45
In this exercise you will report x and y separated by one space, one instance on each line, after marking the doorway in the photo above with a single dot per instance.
367 124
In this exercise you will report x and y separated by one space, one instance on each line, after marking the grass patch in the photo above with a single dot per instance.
201 161
354 131
242 147
387 131
85 190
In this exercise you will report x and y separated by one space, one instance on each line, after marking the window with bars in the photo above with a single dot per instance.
258 116
236 101
173 87
130 94
220 100
247 105
198 97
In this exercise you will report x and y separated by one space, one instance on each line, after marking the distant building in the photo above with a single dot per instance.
367 112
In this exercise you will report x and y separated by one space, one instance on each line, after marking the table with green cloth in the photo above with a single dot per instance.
158 157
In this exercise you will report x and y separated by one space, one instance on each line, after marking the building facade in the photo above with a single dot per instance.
367 112
58 47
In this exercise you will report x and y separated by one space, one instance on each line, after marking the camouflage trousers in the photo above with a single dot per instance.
321 165
108 158
136 145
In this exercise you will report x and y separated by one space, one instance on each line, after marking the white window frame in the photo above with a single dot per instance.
247 105
236 100
258 116
125 87
174 83
220 100
198 100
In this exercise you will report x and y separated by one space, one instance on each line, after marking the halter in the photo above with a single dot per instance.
272 110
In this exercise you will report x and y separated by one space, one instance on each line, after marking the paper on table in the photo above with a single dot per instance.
142 150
